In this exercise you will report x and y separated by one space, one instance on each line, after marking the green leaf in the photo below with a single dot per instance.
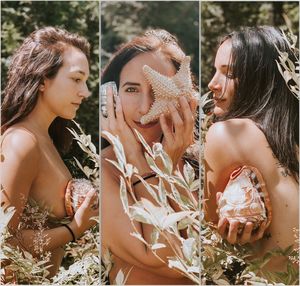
158 246
173 218
123 195
188 248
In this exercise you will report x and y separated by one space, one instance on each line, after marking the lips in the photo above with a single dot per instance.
76 104
149 125
218 98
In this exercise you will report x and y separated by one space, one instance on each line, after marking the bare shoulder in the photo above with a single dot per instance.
233 129
21 142
234 138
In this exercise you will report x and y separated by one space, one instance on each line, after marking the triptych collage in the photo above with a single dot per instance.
149 143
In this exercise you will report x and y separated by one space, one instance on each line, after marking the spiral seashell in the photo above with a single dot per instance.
75 194
245 198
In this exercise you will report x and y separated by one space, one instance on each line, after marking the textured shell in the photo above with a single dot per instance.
75 194
245 198
168 89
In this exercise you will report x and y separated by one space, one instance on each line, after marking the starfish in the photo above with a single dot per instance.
168 89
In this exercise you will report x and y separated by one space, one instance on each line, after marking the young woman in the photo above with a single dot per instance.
161 52
46 84
257 125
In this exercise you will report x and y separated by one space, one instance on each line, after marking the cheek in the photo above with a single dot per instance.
126 105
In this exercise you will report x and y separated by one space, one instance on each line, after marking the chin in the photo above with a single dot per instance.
218 111
68 116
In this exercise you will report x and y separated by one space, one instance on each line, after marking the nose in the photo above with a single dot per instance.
147 99
215 85
84 91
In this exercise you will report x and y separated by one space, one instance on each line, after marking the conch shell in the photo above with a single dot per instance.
168 89
245 198
75 194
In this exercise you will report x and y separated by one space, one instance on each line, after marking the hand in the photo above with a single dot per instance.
82 220
116 125
179 132
232 235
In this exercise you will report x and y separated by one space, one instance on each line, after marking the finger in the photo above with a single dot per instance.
110 103
194 104
260 232
222 226
246 235
233 230
119 111
166 129
89 198
177 121
186 111
218 197
104 123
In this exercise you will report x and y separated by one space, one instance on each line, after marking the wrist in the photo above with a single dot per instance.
71 232
78 231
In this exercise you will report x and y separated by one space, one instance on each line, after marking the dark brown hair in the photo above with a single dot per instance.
261 92
40 56
151 41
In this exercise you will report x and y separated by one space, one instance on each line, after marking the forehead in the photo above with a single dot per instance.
224 53
75 60
132 71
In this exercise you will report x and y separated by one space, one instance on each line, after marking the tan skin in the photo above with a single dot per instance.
135 100
237 142
35 169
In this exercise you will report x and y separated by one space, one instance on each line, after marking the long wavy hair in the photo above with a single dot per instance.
261 93
40 56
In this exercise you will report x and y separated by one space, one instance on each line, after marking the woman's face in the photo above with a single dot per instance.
222 83
136 93
63 94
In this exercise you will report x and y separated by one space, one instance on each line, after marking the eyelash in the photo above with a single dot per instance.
131 89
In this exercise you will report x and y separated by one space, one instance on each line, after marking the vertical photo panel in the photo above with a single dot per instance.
49 143
250 139
149 98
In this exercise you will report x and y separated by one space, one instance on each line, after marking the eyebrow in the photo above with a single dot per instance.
131 83
78 71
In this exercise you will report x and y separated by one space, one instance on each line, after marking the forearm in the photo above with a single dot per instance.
37 242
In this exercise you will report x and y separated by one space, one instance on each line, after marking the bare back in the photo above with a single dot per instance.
239 142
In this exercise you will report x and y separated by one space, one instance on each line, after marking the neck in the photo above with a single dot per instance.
40 119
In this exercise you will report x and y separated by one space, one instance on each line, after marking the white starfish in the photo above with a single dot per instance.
168 89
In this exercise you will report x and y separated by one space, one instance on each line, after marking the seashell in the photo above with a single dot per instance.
245 198
168 89
75 194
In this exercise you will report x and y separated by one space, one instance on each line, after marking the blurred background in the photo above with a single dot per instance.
121 21
221 18
20 18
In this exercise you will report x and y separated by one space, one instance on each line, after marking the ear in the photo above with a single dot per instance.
42 87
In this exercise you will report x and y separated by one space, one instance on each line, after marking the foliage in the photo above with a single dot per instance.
165 221
121 20
287 68
221 263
